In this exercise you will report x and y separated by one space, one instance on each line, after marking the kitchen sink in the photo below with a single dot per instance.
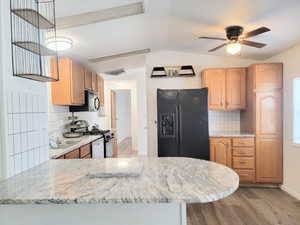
66 144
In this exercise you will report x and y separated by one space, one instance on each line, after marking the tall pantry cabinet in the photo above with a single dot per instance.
263 116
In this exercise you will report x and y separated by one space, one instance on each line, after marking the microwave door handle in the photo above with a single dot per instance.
97 103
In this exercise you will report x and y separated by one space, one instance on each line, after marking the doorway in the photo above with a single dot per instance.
121 122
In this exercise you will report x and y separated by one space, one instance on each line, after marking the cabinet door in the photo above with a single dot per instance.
85 150
214 80
220 151
72 155
94 82
269 137
268 76
236 88
87 79
100 82
77 84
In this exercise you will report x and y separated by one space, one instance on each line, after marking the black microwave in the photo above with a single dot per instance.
91 103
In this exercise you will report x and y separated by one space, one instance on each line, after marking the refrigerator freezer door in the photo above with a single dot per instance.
193 123
167 123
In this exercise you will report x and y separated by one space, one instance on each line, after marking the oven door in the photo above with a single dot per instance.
109 148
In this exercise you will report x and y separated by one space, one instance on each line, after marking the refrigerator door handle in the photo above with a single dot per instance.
180 124
177 124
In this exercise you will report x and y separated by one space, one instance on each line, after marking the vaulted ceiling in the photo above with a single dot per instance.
176 25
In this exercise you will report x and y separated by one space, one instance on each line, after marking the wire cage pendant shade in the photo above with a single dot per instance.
32 22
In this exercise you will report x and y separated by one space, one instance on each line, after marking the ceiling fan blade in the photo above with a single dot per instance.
213 38
216 48
253 44
256 32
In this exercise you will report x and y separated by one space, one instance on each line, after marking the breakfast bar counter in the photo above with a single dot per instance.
100 188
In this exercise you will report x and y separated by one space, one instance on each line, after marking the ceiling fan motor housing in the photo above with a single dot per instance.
233 32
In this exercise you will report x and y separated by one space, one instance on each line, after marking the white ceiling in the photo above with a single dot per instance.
176 25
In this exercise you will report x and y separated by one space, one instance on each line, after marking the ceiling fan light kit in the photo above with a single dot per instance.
235 38
233 48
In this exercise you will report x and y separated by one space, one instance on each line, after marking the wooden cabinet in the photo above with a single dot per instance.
269 136
72 155
268 76
235 88
220 151
69 90
94 82
100 86
263 116
85 150
236 153
226 88
88 79
215 81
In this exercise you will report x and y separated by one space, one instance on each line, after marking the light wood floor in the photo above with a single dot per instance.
248 206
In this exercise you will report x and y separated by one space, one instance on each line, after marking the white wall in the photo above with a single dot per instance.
291 152
123 114
20 150
135 80
169 58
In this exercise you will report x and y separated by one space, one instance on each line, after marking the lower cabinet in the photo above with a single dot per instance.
220 151
72 155
84 152
236 153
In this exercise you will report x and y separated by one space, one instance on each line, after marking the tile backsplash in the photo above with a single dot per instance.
224 121
27 131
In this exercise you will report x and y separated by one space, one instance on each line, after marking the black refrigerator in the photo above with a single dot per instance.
182 122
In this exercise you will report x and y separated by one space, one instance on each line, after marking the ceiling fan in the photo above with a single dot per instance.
236 38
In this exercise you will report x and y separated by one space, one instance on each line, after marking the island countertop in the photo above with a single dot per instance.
161 180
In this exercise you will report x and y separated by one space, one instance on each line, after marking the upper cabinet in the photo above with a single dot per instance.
88 79
74 79
69 90
226 88
215 81
100 86
94 82
272 76
235 88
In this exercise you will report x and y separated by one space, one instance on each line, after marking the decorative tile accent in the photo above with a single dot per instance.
27 131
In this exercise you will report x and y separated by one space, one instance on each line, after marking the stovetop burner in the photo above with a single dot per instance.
96 132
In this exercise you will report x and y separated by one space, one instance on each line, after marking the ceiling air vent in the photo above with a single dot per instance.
115 72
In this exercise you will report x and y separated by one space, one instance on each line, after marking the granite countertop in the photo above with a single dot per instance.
55 153
230 134
161 180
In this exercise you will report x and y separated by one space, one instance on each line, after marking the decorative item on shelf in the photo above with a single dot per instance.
32 23
173 71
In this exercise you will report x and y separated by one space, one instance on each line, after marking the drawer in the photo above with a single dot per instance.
73 155
243 162
246 175
246 151
85 150
243 142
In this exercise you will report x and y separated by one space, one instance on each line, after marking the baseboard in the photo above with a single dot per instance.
293 193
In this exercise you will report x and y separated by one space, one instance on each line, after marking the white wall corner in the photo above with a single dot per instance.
291 191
